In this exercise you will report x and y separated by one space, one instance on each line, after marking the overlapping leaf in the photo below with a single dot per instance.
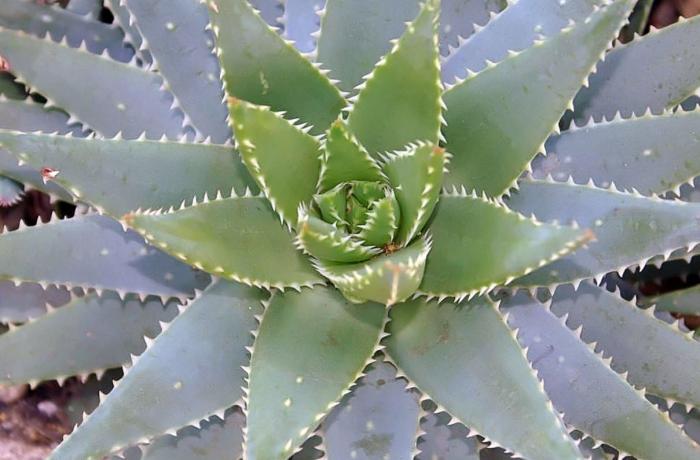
629 229
355 35
295 377
651 154
93 252
182 50
478 244
239 238
593 397
106 95
119 176
191 371
260 67
382 117
492 142
667 58
465 358
89 334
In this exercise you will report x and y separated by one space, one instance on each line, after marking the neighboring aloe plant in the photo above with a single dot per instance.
341 225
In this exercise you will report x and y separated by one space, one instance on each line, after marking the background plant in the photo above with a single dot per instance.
310 345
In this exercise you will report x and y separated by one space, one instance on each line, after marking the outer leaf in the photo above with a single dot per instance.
465 358
301 20
650 154
236 238
261 68
110 97
593 397
446 440
387 279
282 158
10 88
647 361
90 8
355 35
11 192
685 301
296 378
379 420
30 116
118 176
215 440
668 59
383 118
416 176
191 371
460 18
488 156
516 28
58 24
478 244
331 244
182 50
345 160
93 252
627 228
20 303
122 18
89 334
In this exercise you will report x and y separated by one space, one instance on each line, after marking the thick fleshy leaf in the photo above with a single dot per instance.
378 420
119 176
331 244
216 439
479 244
93 252
281 157
460 18
345 160
238 238
58 24
123 19
301 20
629 229
445 440
105 95
651 154
382 222
89 334
26 115
89 8
9 88
493 137
191 371
260 67
593 397
387 279
28 300
465 358
11 192
685 301
182 50
382 117
668 59
296 378
516 29
647 361
355 35
416 177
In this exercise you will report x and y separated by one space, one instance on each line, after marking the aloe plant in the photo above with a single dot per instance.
308 233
